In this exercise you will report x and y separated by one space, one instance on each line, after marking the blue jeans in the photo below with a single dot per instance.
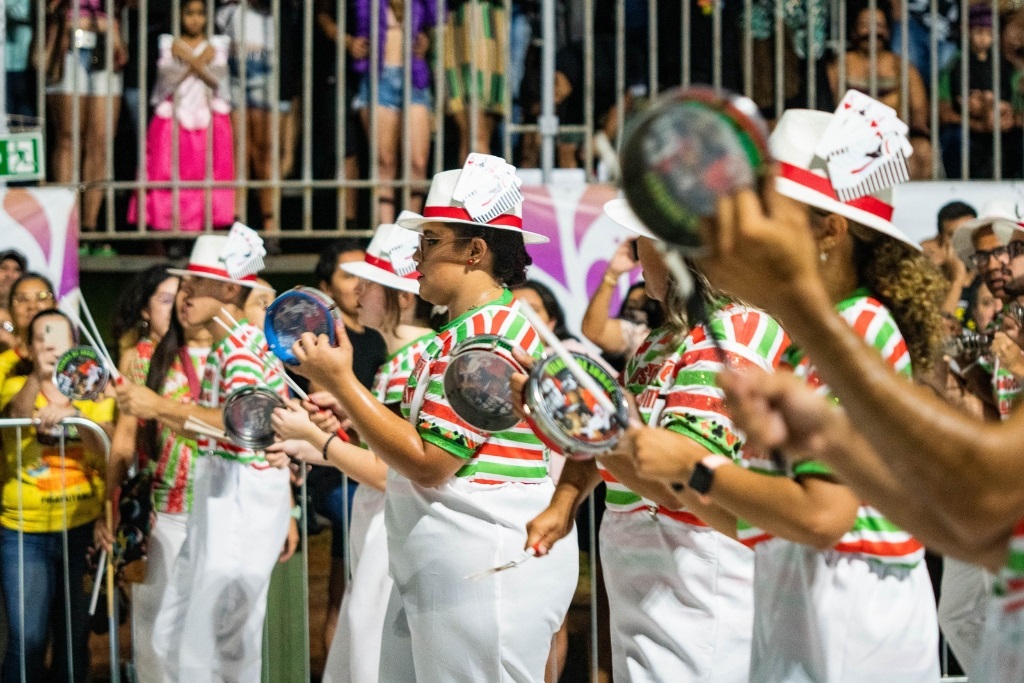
45 604
389 91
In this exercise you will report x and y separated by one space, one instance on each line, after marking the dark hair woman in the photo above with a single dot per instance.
31 293
144 309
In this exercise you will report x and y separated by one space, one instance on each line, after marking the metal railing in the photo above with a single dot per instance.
781 54
18 424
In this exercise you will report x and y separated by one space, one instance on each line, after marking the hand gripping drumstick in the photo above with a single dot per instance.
581 375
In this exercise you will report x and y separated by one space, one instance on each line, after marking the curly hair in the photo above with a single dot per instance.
911 287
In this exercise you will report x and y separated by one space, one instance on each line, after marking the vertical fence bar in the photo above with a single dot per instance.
965 140
685 43
142 175
595 672
620 69
65 551
475 77
588 87
242 161
905 62
748 48
716 45
842 49
21 554
304 539
507 105
997 128
109 114
76 111
440 83
780 41
548 121
40 30
307 120
373 73
872 49
933 87
208 165
652 48
175 131
275 36
341 114
812 74
406 142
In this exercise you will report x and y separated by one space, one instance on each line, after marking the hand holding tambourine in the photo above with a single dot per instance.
318 360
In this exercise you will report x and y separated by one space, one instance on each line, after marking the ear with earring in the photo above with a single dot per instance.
823 256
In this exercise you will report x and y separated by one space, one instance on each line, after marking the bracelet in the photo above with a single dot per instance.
327 443
610 281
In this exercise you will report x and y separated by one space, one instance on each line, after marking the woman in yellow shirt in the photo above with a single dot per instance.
44 493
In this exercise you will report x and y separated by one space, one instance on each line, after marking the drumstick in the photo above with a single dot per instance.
101 567
194 424
248 343
100 349
585 380
110 565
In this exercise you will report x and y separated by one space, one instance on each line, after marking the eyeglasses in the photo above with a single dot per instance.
28 298
1006 253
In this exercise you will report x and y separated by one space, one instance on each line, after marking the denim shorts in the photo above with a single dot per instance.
90 81
389 91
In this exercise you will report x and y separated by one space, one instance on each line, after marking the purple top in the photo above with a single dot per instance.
422 14
88 8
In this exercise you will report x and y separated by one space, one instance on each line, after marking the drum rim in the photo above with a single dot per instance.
549 431
318 298
469 345
234 396
92 396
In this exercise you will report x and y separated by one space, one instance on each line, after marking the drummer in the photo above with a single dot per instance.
458 499
680 594
210 623
389 303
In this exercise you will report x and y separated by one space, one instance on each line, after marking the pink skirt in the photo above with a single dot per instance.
191 166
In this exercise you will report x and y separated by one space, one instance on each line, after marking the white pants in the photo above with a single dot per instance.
165 541
966 591
210 624
680 599
1001 657
828 617
355 650
443 627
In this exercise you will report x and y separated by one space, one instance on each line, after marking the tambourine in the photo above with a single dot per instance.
476 382
80 374
691 147
247 412
565 416
303 309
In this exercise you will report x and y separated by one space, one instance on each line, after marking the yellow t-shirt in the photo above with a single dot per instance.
8 359
45 485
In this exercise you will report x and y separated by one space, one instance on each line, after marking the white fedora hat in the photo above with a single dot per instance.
803 175
440 207
1001 215
388 259
620 212
209 258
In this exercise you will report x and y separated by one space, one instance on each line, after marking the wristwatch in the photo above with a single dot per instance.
704 474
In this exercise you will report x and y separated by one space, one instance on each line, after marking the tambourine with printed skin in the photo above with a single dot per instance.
303 309
691 147
565 416
247 412
80 374
476 382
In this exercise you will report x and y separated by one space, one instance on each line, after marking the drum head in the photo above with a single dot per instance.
247 412
80 374
299 310
566 416
476 383
691 147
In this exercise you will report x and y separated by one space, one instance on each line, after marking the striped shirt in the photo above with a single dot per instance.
233 364
393 375
872 536
674 380
1006 387
1010 580
514 455
172 469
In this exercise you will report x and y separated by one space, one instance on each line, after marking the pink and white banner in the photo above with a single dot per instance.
582 240
42 223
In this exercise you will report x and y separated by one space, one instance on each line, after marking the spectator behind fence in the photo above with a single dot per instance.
484 69
940 251
858 77
981 104
30 294
921 28
264 89
76 65
192 90
12 265
390 100
21 98
54 489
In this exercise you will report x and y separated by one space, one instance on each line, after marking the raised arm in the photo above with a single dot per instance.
597 325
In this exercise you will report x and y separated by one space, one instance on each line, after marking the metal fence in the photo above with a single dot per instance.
17 425
560 83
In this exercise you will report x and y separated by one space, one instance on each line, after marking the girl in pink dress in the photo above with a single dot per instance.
191 88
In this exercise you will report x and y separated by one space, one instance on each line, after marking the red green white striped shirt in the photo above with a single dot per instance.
393 376
674 380
233 364
872 536
172 469
514 455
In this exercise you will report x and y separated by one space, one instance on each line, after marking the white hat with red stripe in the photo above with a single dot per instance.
236 257
804 176
442 207
389 259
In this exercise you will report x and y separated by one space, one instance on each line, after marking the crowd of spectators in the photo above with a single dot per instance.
227 94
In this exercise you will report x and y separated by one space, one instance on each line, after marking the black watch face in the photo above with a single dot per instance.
700 480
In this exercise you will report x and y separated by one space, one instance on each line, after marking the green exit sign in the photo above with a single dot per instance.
21 156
